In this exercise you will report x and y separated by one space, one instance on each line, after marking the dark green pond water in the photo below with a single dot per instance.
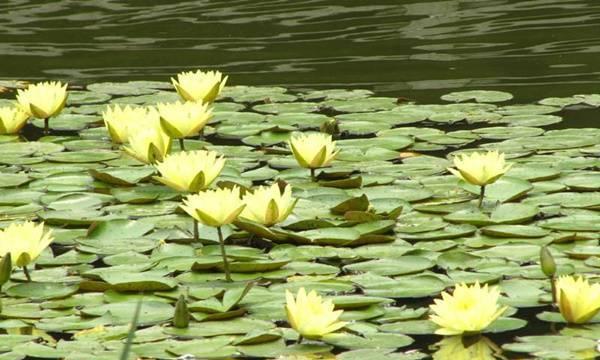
417 49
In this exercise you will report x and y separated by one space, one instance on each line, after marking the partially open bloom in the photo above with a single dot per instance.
480 168
190 171
310 316
268 205
181 120
199 85
313 150
469 310
454 348
119 121
578 300
12 119
24 241
214 207
148 144
43 100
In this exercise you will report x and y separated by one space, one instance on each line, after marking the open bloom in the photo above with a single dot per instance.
469 310
268 205
454 348
310 316
12 119
480 168
119 121
313 150
43 100
578 300
148 144
190 171
214 207
181 120
199 85
24 241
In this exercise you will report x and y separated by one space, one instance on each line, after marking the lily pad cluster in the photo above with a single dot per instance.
382 231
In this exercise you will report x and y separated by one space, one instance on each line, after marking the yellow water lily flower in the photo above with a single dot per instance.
469 310
214 207
12 119
43 100
24 241
268 205
310 316
199 85
455 348
480 168
120 120
313 150
577 299
190 171
148 144
181 120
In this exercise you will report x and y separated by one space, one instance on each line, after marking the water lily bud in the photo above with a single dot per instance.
25 242
310 315
190 171
577 299
314 150
149 145
480 168
469 310
214 207
268 205
547 262
330 126
199 85
5 268
121 122
43 100
181 120
182 314
12 119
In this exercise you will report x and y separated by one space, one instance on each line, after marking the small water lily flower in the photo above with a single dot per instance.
12 119
577 299
216 208
469 310
181 120
480 169
43 100
190 171
459 348
313 150
199 85
25 242
310 316
119 120
267 205
148 144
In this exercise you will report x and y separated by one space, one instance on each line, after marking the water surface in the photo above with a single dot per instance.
419 49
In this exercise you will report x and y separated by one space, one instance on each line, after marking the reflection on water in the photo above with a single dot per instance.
466 348
413 48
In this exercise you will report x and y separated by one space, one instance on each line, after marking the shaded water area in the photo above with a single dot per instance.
417 49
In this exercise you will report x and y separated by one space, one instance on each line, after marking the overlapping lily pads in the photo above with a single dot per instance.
382 231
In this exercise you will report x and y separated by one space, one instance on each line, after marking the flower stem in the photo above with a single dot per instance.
26 272
46 126
196 232
481 195
313 177
225 262
181 144
300 338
